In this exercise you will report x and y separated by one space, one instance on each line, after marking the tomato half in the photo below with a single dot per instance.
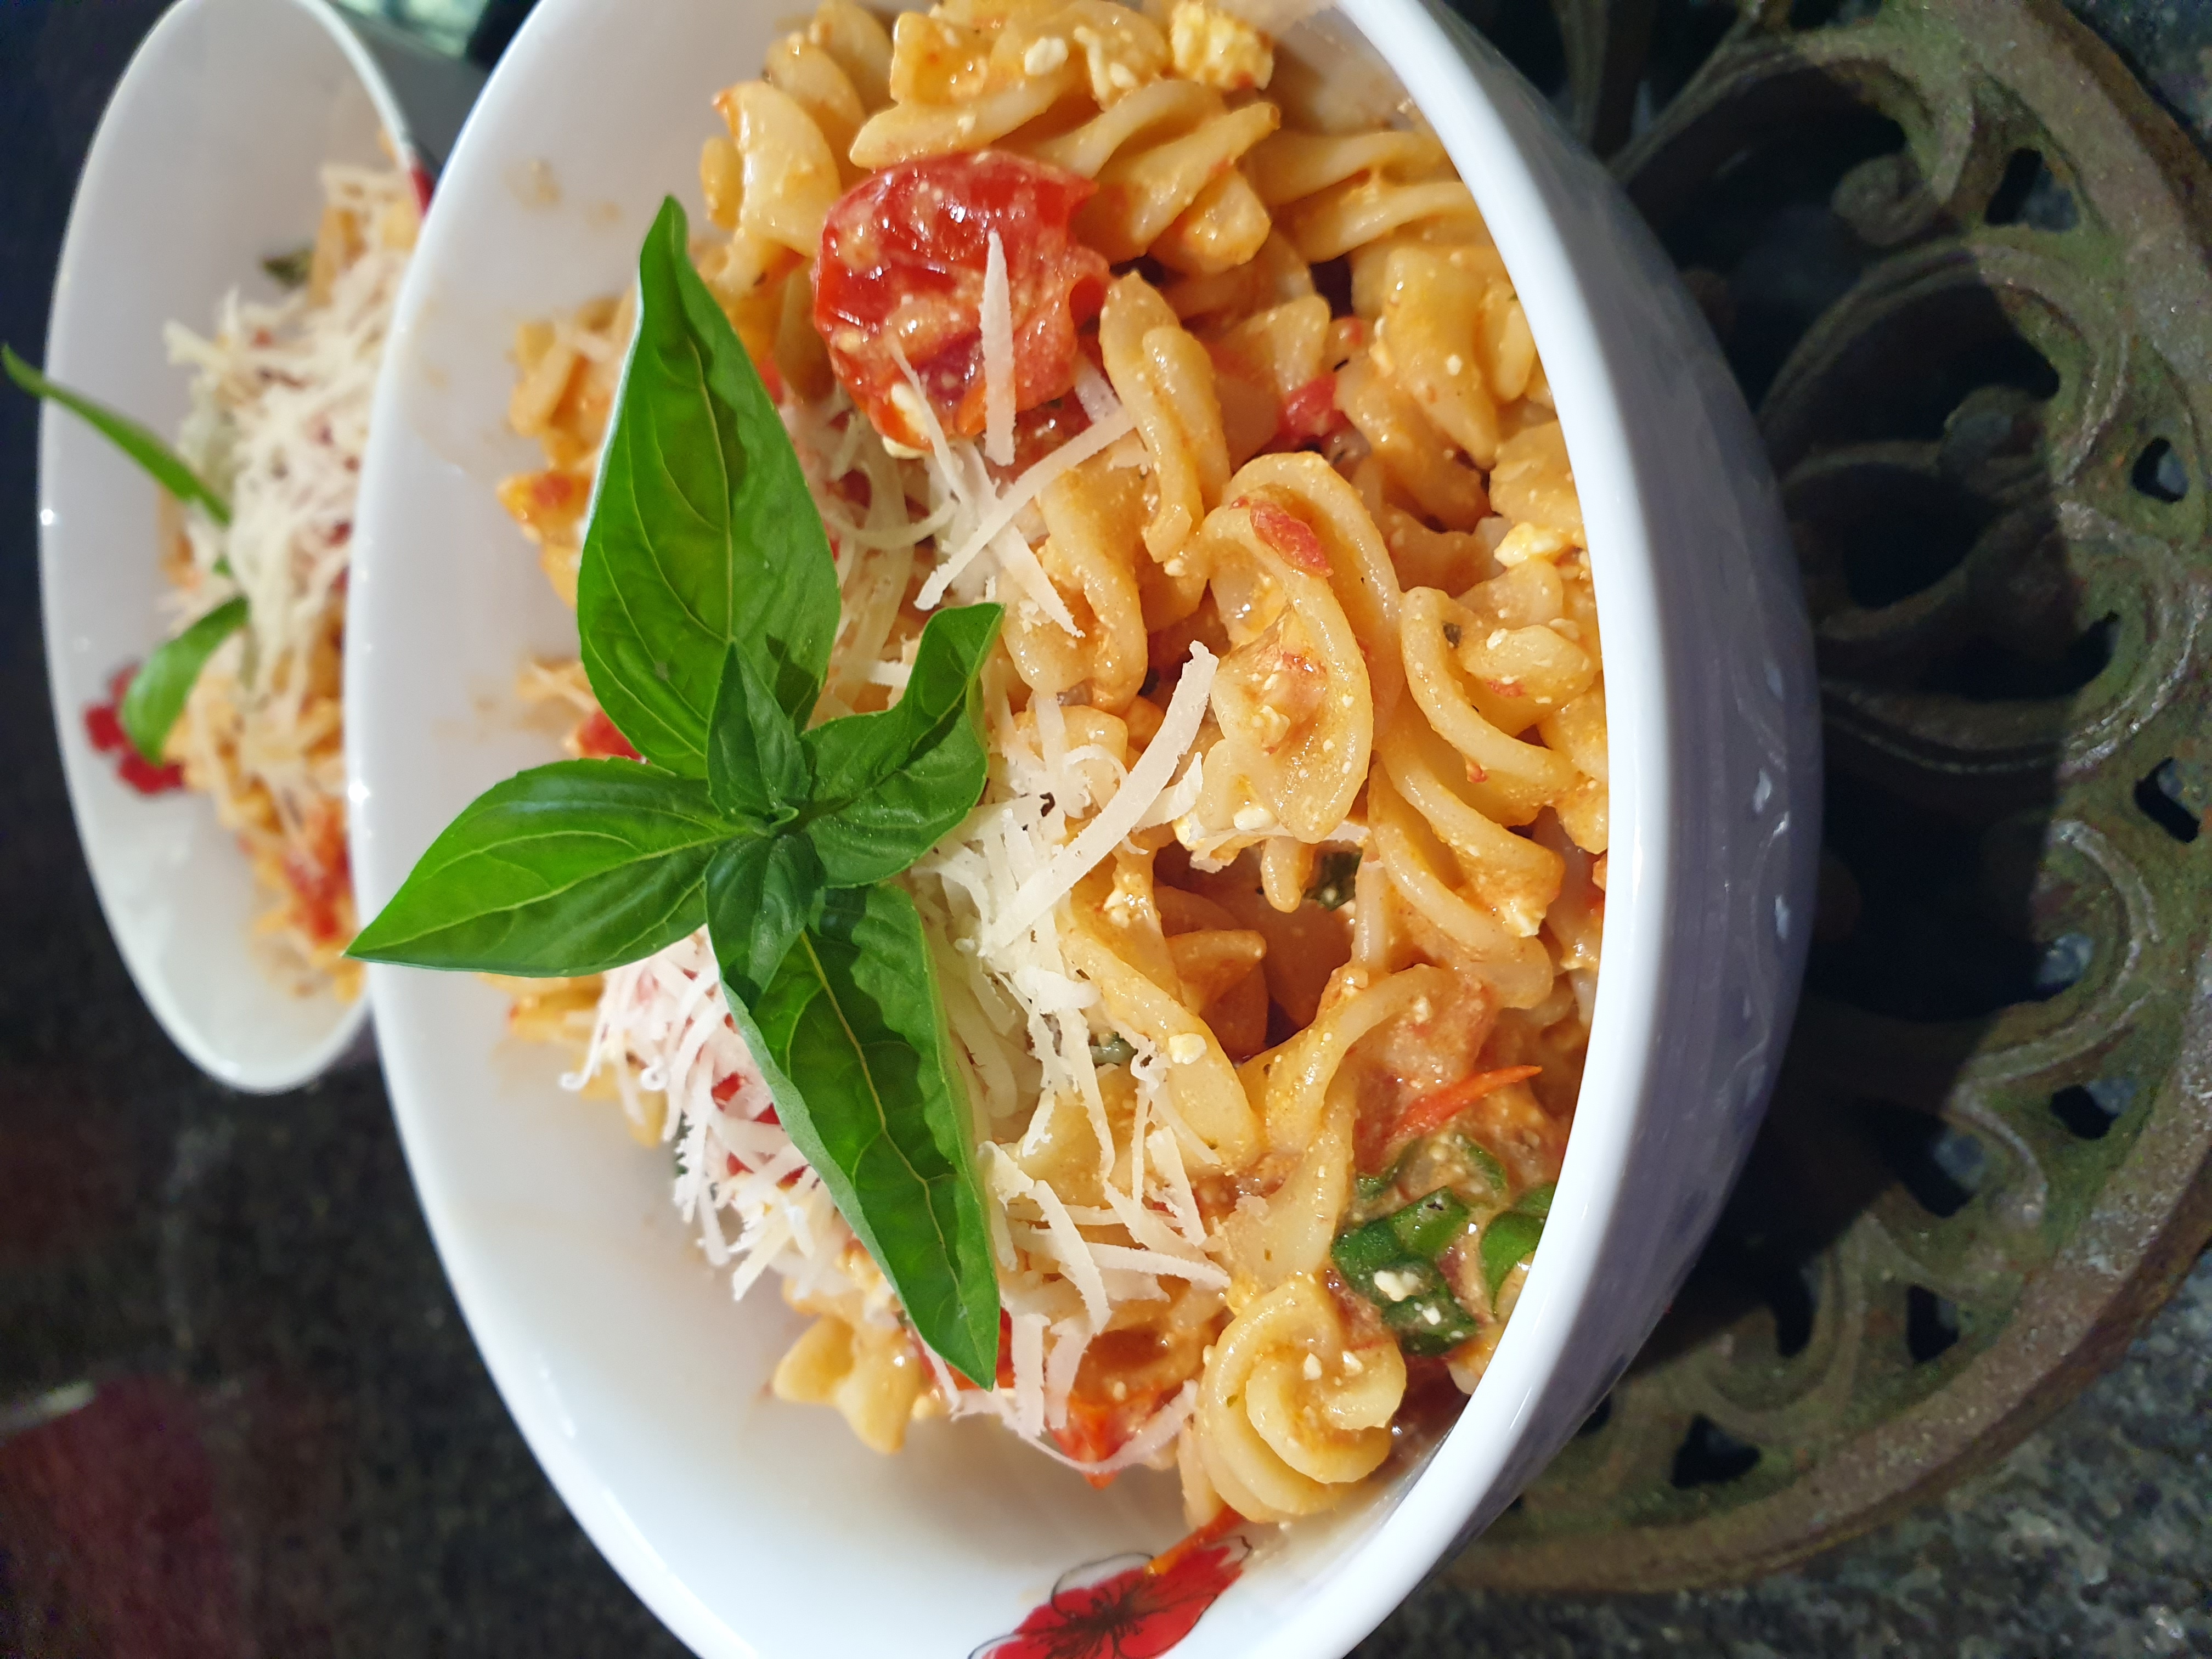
902 272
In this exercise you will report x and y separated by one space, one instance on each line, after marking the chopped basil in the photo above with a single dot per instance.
1332 886
1116 1050
1510 1237
1372 1187
291 271
1392 1261
1427 1226
1485 1164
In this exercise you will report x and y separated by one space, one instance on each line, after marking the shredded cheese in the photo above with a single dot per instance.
1023 1023
278 421
1000 513
664 1028
998 357
1178 729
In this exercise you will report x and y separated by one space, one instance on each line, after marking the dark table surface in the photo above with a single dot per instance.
240 1414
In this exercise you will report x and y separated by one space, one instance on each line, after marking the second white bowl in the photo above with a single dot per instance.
208 160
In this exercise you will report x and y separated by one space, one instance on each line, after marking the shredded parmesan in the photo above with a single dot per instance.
999 514
998 357
664 1028
1028 1347
1022 1021
1177 801
1094 392
1147 778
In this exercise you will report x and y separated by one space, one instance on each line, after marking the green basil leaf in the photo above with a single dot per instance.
572 868
853 755
1429 1226
1362 1252
1486 1164
162 464
895 783
291 270
1333 878
1430 1322
763 891
1508 1240
755 767
157 694
851 1037
1537 1201
702 531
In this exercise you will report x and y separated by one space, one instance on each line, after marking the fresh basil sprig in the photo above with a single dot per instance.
707 601
162 464
703 534
158 689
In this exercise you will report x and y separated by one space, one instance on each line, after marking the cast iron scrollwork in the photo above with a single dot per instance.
1949 250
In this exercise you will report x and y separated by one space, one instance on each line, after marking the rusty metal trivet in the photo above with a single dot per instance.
1950 250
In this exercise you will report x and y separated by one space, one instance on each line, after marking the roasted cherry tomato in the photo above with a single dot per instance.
103 725
598 737
902 272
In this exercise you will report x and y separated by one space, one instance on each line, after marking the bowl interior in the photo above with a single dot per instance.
752 1528
207 161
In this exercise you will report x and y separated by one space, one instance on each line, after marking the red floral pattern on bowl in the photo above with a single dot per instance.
1130 1606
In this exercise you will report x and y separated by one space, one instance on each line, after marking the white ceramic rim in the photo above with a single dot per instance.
1432 1509
153 986
1426 1512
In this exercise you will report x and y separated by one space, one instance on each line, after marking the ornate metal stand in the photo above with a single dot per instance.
1961 264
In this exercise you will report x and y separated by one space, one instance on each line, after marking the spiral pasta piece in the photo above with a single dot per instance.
956 88
1337 193
1514 876
1305 1069
1410 447
1165 378
1431 317
1360 571
790 174
1094 518
1165 159
1293 697
813 79
1286 1423
1513 781
1535 483
1208 1095
1427 874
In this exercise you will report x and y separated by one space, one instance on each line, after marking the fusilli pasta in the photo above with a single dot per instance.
1281 917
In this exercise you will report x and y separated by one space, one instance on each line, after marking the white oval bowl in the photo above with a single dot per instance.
755 1528
207 159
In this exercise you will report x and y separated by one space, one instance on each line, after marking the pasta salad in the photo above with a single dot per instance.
242 700
1192 455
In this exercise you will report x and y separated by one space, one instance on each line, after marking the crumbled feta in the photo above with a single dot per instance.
1397 1283
1216 49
